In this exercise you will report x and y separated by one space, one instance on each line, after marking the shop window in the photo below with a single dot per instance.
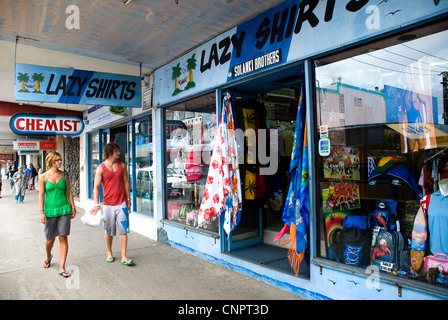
383 138
144 179
189 131
94 159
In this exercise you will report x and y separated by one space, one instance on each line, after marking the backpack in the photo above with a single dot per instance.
390 250
352 246
385 214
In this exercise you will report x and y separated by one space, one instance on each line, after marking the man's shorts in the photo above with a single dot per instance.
116 216
57 226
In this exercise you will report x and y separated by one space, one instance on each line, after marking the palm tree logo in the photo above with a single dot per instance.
38 78
178 72
24 78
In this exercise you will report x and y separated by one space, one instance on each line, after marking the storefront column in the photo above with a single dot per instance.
159 183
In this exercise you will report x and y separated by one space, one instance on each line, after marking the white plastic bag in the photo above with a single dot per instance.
92 220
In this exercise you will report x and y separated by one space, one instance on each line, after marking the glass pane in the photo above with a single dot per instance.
383 146
144 166
94 160
190 130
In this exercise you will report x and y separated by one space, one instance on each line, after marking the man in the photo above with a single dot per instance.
112 175
32 175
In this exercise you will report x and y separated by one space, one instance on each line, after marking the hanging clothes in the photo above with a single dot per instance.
222 193
297 206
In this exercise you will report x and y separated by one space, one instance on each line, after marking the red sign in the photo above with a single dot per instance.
6 157
47 145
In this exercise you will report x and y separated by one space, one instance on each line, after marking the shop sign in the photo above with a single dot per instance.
45 124
30 152
101 115
291 31
145 128
60 85
6 157
34 145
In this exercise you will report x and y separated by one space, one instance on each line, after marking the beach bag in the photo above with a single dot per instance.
192 218
439 260
173 209
193 170
184 209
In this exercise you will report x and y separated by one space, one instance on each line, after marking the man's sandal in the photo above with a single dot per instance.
127 262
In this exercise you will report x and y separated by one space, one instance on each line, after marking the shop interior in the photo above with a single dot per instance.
266 102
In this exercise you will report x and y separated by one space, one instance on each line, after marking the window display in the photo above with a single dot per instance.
190 131
382 185
94 160
144 180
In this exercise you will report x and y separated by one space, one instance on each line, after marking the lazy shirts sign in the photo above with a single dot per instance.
60 85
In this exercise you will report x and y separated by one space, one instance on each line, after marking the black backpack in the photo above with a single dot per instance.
352 243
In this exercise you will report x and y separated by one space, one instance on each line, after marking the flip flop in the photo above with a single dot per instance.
64 274
127 262
110 259
48 264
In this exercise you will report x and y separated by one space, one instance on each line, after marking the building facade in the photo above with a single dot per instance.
373 82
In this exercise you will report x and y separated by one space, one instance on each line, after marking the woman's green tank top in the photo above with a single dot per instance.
56 203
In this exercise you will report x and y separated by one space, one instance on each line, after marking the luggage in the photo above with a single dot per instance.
174 206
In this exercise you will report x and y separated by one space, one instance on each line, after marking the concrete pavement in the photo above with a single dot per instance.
160 271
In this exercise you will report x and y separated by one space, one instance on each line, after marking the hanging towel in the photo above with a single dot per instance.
222 193
296 210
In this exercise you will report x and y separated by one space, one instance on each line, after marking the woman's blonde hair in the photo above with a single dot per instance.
51 158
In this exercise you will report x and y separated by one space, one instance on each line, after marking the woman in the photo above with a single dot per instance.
19 179
57 208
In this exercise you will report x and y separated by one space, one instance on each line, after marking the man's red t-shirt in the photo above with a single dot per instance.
113 186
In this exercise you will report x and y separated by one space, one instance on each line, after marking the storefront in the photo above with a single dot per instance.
372 81
133 132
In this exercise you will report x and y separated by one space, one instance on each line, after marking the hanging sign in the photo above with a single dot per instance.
45 124
34 145
60 85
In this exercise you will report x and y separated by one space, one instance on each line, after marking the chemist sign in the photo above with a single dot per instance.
60 85
45 124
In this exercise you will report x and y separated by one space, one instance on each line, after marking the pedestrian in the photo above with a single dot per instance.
19 179
39 172
57 208
27 174
113 176
11 181
33 174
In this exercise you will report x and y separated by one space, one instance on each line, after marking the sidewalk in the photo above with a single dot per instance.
160 271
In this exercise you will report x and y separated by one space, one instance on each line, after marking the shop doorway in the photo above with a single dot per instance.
119 136
268 102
